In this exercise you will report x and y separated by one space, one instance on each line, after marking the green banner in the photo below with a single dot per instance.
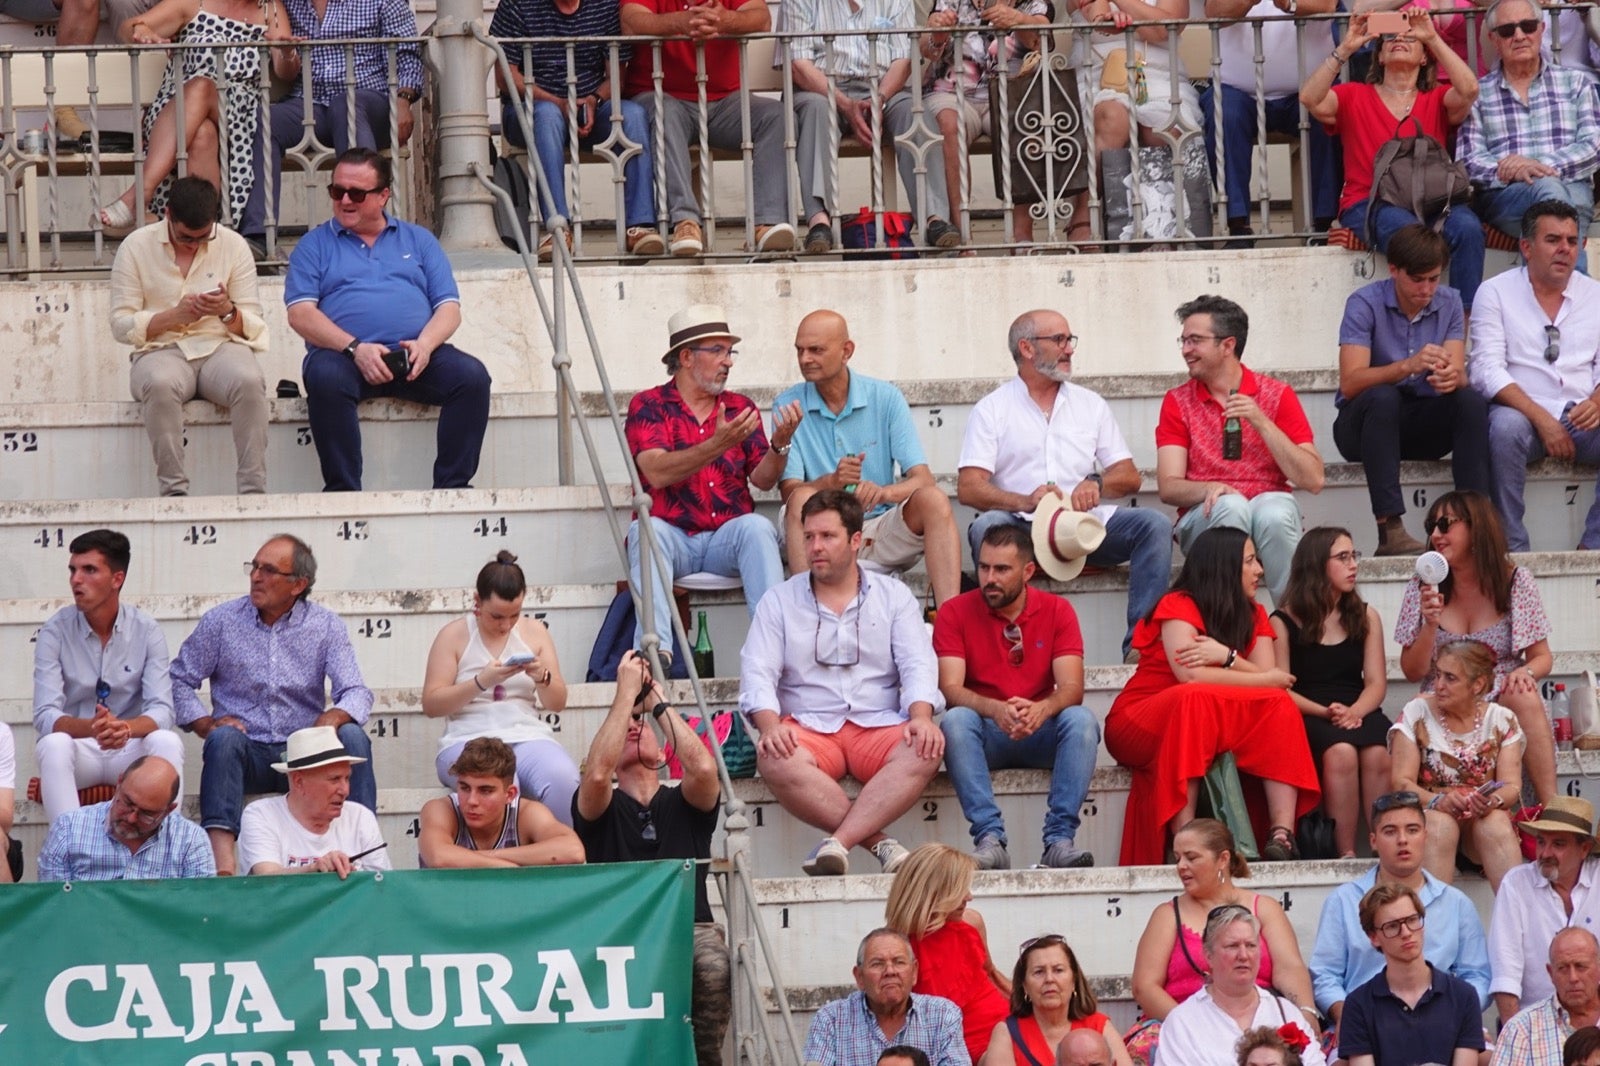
417 968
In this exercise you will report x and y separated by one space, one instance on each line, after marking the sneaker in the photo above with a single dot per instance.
68 123
891 854
775 238
991 854
829 858
937 233
819 239
687 239
1062 855
644 240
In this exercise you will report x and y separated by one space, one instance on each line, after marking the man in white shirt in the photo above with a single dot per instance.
838 675
1536 358
313 829
1039 433
1281 86
1538 899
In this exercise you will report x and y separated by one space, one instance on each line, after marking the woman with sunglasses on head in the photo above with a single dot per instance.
1169 965
1489 599
1208 683
1462 755
1050 997
1400 97
928 904
1332 642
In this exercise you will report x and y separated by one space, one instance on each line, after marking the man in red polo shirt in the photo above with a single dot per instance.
711 26
1276 453
1011 672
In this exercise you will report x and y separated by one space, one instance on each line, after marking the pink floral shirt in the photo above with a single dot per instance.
1509 637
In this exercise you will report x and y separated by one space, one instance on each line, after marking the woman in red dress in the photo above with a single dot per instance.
1208 683
928 903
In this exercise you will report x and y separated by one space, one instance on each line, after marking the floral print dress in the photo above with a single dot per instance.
1451 759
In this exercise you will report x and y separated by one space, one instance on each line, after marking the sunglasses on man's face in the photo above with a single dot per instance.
1508 30
357 196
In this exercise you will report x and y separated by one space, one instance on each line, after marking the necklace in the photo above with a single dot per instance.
1462 744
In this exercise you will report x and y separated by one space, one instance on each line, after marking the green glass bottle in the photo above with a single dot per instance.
704 661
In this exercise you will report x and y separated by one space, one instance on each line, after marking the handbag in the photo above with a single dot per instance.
1226 797
860 231
1041 147
1416 173
738 750
1314 836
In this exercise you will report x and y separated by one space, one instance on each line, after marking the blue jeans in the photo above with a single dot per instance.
453 381
550 144
1504 206
233 765
1272 520
1065 745
1239 136
1463 232
332 123
1513 444
1138 536
746 546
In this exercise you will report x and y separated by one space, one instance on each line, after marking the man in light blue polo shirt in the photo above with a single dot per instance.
855 432
376 302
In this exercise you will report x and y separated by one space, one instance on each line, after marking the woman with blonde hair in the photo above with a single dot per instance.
928 903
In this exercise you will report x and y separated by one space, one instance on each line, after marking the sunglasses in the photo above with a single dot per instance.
1047 940
1442 524
1394 801
357 196
1552 344
1013 635
102 691
1508 30
647 826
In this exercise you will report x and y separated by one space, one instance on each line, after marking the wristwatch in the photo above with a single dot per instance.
1097 479
410 96
233 313
350 350
782 449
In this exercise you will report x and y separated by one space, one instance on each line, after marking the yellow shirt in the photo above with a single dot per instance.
145 280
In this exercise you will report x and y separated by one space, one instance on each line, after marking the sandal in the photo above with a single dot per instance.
116 218
1280 845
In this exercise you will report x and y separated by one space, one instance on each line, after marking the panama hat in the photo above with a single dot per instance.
693 323
1064 538
314 746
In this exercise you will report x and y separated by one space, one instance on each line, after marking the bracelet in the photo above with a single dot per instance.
659 709
1233 654
475 681
1433 804
548 675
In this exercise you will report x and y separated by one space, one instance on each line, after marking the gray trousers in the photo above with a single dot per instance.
679 123
162 379
812 112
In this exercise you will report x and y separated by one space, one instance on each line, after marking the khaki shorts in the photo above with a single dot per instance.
888 542
974 109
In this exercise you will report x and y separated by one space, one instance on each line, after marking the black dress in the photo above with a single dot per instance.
1331 673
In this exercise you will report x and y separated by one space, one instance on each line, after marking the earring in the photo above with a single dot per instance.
1221 877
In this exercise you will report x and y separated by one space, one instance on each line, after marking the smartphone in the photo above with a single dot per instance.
1381 22
583 113
398 360
1489 788
218 291
519 659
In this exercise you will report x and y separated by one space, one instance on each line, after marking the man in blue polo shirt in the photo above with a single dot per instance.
1424 1014
855 432
373 296
1403 388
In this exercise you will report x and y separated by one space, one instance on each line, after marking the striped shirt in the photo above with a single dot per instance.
1559 125
516 19
850 57
80 847
346 19
1534 1037
845 1032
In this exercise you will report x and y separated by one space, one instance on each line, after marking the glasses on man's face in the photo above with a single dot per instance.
190 240
1552 344
1194 340
1060 340
1013 635
139 813
267 571
1346 557
357 196
1442 524
718 352
1506 31
1390 930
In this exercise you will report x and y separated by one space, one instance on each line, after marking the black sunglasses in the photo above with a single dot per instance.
1552 344
1394 801
1508 30
357 196
1442 523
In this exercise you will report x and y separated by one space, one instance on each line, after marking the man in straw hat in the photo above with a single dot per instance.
699 448
1041 440
1558 889
1276 450
315 828
1011 671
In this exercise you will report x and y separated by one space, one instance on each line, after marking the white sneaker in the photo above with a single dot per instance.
828 859
891 854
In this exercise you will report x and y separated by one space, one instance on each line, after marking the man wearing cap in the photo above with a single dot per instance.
856 431
1276 450
837 677
699 448
1040 441
130 837
1011 672
102 696
1344 958
315 828
1536 1036
1538 899
270 657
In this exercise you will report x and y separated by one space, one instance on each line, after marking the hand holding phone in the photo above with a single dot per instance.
398 360
517 659
1382 22
1489 788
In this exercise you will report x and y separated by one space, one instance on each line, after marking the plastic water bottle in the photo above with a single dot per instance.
1561 718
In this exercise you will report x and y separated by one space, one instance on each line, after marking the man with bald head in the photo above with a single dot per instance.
857 435
1083 1047
1039 434
129 837
1535 1036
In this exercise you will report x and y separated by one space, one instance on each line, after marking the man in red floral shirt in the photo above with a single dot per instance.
699 448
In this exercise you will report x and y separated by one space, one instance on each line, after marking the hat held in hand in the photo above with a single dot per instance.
1063 538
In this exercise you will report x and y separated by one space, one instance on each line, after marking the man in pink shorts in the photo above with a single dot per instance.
838 676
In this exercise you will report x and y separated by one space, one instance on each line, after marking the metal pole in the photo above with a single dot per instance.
466 209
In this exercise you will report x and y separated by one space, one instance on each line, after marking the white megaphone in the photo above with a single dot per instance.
1432 568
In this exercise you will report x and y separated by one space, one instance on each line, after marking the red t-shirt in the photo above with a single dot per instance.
1364 124
967 629
678 60
1191 418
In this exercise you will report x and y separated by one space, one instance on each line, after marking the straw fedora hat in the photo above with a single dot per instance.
1064 538
1563 814
693 323
317 745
